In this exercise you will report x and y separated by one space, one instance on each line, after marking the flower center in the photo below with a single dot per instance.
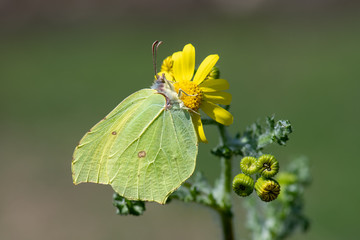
191 94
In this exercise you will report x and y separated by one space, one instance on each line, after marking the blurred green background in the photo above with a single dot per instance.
64 66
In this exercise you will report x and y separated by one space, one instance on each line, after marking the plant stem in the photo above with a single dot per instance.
227 225
225 210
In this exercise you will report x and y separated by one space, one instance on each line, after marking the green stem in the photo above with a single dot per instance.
225 210
227 226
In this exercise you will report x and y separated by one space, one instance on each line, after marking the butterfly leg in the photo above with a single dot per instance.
183 92
192 110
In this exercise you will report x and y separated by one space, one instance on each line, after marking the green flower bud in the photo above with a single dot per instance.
267 165
214 73
243 185
248 165
267 189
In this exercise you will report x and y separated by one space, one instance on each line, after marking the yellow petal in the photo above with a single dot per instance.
196 119
218 97
188 62
167 64
178 73
205 68
214 85
217 113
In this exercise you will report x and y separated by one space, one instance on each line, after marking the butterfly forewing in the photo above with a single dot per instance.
91 155
143 149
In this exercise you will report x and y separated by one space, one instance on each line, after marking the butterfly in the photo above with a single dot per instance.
145 148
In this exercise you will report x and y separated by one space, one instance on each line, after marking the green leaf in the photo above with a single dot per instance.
257 137
144 150
126 207
197 189
278 132
281 131
223 151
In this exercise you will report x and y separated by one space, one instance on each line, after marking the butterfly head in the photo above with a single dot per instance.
163 85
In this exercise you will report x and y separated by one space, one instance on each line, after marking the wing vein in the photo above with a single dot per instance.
128 160
178 143
161 149
141 133
122 111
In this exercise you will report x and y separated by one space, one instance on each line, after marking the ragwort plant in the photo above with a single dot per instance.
146 149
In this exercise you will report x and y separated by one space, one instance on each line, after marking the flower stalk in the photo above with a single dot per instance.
225 210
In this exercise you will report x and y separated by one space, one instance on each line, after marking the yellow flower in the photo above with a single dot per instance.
198 91
167 68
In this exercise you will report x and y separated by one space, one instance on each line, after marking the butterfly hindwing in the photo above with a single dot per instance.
157 154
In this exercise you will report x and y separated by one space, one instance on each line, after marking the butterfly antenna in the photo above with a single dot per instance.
155 46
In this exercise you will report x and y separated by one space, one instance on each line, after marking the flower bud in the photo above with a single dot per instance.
267 189
243 185
214 73
267 165
248 165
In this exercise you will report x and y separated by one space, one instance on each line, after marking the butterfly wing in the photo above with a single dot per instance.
142 149
155 153
91 155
